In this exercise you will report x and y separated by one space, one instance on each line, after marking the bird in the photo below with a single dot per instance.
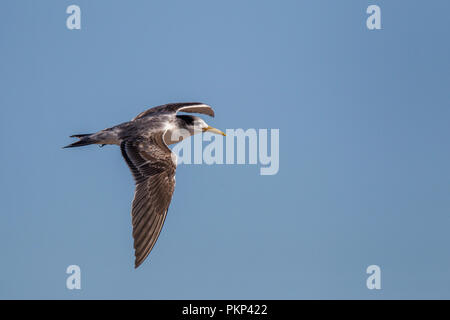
144 145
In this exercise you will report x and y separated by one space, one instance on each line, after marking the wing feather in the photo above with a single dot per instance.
153 169
173 108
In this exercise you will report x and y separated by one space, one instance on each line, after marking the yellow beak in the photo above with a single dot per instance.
213 130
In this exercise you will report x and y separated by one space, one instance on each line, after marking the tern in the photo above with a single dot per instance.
144 144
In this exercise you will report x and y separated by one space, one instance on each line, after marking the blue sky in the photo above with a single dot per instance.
364 148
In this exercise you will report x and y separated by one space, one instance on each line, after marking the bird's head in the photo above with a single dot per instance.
195 125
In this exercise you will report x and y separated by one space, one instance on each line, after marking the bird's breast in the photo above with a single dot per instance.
173 134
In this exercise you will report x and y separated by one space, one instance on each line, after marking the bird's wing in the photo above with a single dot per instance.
191 107
153 169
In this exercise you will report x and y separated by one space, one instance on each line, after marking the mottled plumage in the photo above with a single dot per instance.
143 142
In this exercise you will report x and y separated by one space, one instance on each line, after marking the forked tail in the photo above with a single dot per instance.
85 140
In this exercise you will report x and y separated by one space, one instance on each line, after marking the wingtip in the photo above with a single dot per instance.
211 112
137 261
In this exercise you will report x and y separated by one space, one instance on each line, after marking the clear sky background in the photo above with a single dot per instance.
364 148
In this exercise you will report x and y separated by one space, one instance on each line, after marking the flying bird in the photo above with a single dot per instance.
144 144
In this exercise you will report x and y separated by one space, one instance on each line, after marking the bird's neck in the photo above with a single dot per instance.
174 135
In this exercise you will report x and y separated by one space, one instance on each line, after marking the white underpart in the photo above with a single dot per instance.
169 126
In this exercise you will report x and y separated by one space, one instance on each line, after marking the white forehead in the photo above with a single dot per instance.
201 123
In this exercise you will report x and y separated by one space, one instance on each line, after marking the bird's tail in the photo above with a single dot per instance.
85 140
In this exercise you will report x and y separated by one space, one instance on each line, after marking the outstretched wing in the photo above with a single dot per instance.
153 169
191 107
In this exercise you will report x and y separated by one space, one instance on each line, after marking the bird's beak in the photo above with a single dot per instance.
213 130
